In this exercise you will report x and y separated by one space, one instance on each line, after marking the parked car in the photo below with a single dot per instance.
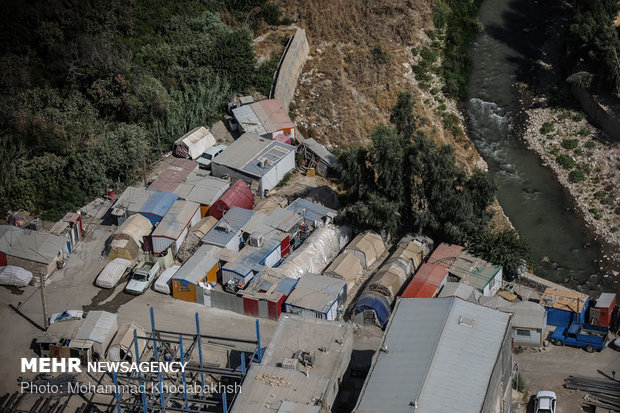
142 278
587 336
545 402
205 159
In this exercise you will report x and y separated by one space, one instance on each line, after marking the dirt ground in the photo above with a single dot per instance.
73 288
547 369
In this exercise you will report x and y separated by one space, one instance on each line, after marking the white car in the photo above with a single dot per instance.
205 159
545 402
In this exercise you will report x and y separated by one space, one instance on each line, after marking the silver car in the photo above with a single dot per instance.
545 402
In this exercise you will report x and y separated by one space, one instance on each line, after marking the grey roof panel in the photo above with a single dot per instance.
37 246
235 218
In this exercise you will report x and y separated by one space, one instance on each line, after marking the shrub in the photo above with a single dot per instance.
518 383
583 132
570 143
428 55
579 116
590 144
414 51
576 176
599 194
607 200
379 55
596 213
442 107
547 127
565 161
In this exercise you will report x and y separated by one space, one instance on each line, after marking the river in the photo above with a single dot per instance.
529 194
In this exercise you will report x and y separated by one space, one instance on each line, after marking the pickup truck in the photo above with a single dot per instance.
587 336
142 278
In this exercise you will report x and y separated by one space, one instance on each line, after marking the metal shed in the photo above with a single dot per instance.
564 307
317 296
130 202
228 232
317 156
202 188
238 195
98 328
174 175
173 228
367 247
602 312
314 215
201 268
157 206
445 254
480 274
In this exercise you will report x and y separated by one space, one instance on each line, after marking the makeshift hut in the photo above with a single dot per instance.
189 282
175 225
194 143
195 234
367 247
238 195
157 206
123 347
347 267
127 240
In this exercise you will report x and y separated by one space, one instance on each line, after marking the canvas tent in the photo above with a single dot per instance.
367 247
127 240
346 267
194 143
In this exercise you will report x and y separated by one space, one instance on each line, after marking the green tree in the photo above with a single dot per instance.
402 115
504 248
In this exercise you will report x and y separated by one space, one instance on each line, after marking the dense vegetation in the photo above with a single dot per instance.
594 44
406 183
91 91
458 21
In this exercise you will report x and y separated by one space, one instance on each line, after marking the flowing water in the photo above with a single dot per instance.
532 199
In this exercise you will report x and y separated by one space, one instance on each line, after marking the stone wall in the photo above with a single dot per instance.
289 69
602 117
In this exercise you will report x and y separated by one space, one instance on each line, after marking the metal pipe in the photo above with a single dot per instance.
259 353
137 352
224 402
243 363
202 375
156 354
183 373
116 395
237 340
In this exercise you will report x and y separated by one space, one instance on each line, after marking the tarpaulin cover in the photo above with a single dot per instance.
15 276
376 303
112 273
162 284
317 251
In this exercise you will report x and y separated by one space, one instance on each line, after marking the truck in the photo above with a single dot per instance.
587 336
142 278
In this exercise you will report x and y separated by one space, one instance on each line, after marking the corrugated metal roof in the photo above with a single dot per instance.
197 266
37 246
320 150
176 219
238 195
426 281
131 200
310 210
202 188
527 314
175 174
445 254
316 292
235 219
432 345
463 291
159 203
605 300
271 115
96 326
473 270
248 120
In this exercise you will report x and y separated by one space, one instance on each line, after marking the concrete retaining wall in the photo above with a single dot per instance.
289 69
601 117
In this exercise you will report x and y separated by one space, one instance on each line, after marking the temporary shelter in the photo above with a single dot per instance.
189 282
228 232
460 290
97 330
130 202
528 319
564 306
174 175
127 240
202 188
123 347
480 274
317 296
445 254
238 195
317 156
602 312
367 247
314 215
346 267
427 281
194 143
265 118
175 225
36 251
162 283
264 296
195 234
261 162
112 273
157 206
317 251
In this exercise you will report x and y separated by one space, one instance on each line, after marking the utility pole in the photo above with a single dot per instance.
43 299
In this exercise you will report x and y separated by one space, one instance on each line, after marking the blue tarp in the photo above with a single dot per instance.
374 302
157 206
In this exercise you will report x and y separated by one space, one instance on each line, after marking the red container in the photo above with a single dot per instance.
110 193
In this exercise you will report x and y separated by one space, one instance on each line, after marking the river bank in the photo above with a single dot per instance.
582 159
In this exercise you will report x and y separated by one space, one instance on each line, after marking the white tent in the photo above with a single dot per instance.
194 143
